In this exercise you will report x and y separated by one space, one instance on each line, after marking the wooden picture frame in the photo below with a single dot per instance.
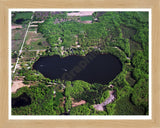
4 75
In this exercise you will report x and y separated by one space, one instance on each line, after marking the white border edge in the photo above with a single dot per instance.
150 62
149 117
9 66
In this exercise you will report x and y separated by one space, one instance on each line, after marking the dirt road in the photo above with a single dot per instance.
100 107
16 26
20 51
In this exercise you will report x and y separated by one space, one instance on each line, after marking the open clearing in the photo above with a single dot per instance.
17 38
35 41
74 104
17 85
81 13
16 26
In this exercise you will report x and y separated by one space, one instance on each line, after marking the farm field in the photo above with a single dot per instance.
35 41
17 38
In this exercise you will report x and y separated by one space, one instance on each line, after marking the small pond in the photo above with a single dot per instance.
21 100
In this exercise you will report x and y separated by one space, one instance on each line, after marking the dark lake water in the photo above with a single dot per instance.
20 21
22 100
92 68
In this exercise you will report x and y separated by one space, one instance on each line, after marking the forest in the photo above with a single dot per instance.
122 34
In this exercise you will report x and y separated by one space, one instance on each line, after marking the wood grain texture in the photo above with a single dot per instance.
6 4
77 3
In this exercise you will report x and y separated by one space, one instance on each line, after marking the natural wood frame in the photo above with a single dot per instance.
4 76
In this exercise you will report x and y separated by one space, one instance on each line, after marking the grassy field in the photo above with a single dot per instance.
39 44
129 33
17 38
23 15
32 29
86 18
134 46
28 55
16 44
35 41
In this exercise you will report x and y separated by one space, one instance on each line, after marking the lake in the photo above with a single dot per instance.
92 68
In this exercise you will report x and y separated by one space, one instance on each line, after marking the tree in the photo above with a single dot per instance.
140 62
80 110
140 93
105 95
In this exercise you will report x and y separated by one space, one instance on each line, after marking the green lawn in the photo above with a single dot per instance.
32 29
23 15
17 36
36 45
86 18
28 55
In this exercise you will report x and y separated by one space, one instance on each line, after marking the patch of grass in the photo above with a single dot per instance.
128 32
16 44
35 45
23 15
29 54
32 29
17 36
86 18
134 46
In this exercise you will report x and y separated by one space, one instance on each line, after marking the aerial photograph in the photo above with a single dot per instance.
79 62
